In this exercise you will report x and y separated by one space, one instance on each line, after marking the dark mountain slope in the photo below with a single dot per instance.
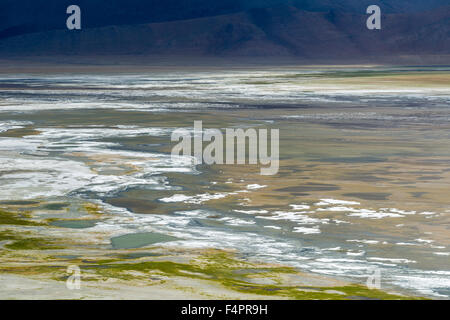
279 31
25 16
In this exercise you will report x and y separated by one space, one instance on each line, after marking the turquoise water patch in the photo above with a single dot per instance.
74 224
68 257
137 255
368 195
55 206
310 187
418 194
138 240
19 203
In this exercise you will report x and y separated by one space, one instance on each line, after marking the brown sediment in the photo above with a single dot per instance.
395 181
19 133
368 195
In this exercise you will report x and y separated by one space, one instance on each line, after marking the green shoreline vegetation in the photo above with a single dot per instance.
142 266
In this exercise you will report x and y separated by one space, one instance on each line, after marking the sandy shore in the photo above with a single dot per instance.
18 287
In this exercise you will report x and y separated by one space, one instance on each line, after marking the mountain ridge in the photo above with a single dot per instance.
278 31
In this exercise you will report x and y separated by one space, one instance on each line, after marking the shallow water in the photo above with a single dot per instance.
138 240
363 179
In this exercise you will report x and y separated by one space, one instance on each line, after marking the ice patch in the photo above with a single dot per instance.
295 217
197 199
236 222
356 254
406 244
424 240
333 249
325 202
426 284
253 212
305 230
393 210
255 186
365 241
273 227
26 174
392 260
371 214
299 206
427 213
9 125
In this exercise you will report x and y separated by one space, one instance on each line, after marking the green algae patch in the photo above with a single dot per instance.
234 275
10 218
165 267
32 270
19 203
5 235
214 267
19 242
351 292
138 240
92 209
29 244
